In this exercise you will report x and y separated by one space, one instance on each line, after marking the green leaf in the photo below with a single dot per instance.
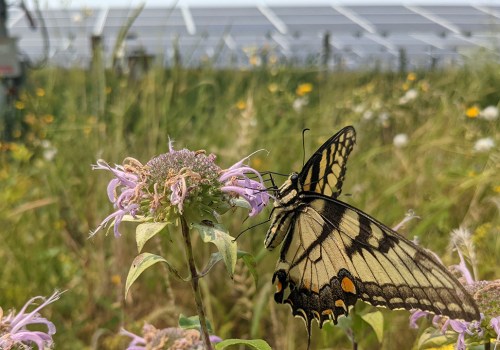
146 231
432 338
258 344
193 322
376 321
249 261
247 258
217 234
141 263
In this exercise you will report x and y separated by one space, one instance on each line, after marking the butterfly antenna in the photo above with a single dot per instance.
249 228
304 146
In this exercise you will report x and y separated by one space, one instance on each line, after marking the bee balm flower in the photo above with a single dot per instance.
177 182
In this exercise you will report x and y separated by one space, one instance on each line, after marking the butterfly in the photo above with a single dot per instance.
333 254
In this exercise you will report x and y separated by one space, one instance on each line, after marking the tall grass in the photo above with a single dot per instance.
49 206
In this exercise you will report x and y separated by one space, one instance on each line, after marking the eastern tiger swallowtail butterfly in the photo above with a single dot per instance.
334 254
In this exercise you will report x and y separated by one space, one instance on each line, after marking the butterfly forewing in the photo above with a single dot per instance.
324 172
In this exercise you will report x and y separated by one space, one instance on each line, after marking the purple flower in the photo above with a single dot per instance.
13 328
415 315
463 270
137 343
124 191
236 182
169 183
178 338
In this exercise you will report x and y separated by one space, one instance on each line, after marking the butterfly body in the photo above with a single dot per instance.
333 254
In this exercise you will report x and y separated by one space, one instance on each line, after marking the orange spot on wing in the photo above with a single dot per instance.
348 285
327 312
279 287
340 303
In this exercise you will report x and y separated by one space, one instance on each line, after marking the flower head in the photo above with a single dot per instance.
13 328
176 338
484 144
472 112
490 113
400 140
179 181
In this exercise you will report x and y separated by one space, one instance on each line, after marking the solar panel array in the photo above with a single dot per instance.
358 35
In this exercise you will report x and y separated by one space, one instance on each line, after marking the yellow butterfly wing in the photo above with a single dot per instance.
324 172
335 254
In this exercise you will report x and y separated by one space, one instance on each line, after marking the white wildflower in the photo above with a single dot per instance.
368 115
490 113
400 140
484 144
409 96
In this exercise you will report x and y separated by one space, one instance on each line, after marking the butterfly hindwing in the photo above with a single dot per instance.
324 172
337 254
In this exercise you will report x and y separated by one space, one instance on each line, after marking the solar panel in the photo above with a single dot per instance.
360 34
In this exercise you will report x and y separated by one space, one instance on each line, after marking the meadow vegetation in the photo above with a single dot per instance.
426 143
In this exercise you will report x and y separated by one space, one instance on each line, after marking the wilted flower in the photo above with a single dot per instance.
14 333
168 338
484 144
179 181
490 113
400 140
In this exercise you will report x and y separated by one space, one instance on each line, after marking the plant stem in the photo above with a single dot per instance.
195 277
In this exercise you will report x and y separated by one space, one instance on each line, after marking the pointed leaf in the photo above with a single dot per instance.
249 261
258 344
217 234
376 321
193 322
146 231
141 263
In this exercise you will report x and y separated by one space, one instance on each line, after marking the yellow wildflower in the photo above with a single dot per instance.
411 76
108 90
472 112
496 189
241 105
406 86
48 118
255 60
424 86
444 347
116 280
304 89
256 162
273 87
19 105
30 119
471 173
40 92
481 232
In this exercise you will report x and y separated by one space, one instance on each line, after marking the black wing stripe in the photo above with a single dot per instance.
424 275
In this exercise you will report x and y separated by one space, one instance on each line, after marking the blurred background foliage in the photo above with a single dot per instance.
424 144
